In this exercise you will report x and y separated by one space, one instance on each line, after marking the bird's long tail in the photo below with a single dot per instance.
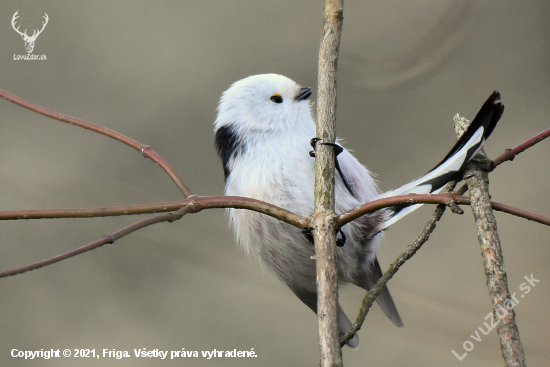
465 148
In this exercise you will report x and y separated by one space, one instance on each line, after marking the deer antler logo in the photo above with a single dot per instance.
29 40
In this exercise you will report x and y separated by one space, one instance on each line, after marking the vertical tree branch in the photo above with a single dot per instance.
325 244
477 178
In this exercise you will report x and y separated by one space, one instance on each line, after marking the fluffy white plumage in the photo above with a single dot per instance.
263 132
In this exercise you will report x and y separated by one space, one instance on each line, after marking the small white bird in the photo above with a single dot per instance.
262 133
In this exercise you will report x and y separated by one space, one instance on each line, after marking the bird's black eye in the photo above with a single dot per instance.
276 98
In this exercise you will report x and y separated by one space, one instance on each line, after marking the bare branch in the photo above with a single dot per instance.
211 202
520 213
510 154
324 233
450 199
198 203
371 295
410 199
493 262
477 178
193 204
168 217
511 344
143 149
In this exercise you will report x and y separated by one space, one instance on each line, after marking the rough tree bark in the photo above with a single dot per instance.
323 218
477 178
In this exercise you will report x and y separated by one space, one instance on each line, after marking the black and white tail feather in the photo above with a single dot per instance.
262 134
449 168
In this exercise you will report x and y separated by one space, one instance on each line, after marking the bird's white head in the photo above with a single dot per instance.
264 103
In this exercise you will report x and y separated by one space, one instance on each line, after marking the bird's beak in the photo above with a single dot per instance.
304 94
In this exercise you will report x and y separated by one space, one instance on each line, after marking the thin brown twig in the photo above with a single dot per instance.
195 204
411 249
371 295
447 198
510 154
410 199
143 149
108 239
198 202
210 202
520 213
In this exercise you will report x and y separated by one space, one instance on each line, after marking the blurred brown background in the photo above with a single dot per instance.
155 71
